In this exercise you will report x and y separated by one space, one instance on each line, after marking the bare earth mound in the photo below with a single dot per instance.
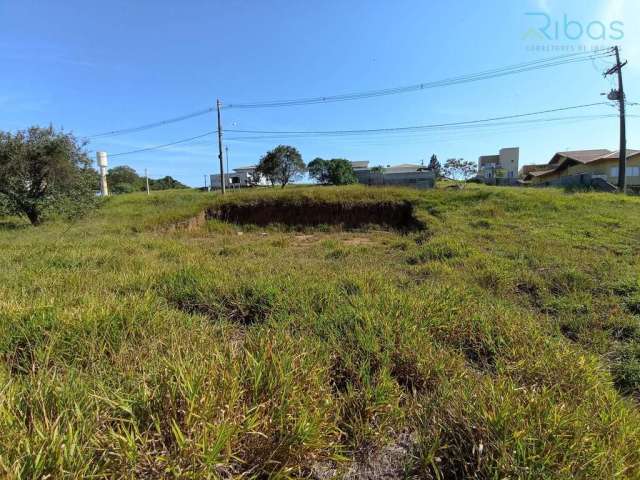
398 215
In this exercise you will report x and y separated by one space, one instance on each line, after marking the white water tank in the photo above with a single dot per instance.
102 165
102 159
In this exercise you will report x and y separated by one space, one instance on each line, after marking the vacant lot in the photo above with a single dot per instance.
489 333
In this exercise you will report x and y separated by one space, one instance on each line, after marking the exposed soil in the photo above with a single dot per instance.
392 461
358 241
189 224
396 215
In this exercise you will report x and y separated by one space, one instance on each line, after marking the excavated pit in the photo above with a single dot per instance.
388 214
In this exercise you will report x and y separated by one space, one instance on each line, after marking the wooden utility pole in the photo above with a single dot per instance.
619 95
146 177
222 182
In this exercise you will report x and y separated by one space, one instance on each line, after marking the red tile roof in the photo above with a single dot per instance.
582 156
615 155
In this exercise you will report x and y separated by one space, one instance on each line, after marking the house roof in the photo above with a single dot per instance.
404 167
541 173
360 164
247 168
581 156
616 155
562 160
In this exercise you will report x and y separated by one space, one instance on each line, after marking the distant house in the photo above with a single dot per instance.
405 174
503 165
239 178
581 166
527 169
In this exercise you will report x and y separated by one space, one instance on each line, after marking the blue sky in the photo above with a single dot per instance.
92 67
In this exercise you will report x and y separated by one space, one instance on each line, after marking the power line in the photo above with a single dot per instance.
154 124
508 70
499 72
543 120
411 133
157 147
414 127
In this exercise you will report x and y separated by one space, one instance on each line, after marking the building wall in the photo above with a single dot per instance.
548 177
509 158
488 160
240 178
609 169
421 179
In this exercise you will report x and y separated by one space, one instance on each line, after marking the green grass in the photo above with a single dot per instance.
502 341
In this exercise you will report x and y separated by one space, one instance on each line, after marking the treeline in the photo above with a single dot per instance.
284 164
124 179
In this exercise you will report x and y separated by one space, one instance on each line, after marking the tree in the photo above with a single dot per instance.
319 170
377 169
124 179
124 174
434 166
119 188
281 165
165 183
43 171
336 171
341 172
459 168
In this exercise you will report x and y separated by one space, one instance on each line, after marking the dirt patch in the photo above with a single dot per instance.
358 241
188 225
300 214
392 461
304 238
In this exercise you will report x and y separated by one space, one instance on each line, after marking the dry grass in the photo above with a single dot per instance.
501 341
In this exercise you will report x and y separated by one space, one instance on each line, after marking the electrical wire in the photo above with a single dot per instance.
508 70
154 124
478 128
499 72
414 127
157 147
407 134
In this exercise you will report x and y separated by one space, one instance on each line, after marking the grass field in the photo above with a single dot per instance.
499 337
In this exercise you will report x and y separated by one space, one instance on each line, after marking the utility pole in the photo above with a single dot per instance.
222 177
146 177
226 152
619 95
205 181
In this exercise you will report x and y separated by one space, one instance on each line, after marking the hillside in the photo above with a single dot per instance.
485 333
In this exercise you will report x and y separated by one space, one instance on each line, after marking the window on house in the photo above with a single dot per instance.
629 171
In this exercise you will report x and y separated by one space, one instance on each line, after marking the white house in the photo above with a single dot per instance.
239 178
